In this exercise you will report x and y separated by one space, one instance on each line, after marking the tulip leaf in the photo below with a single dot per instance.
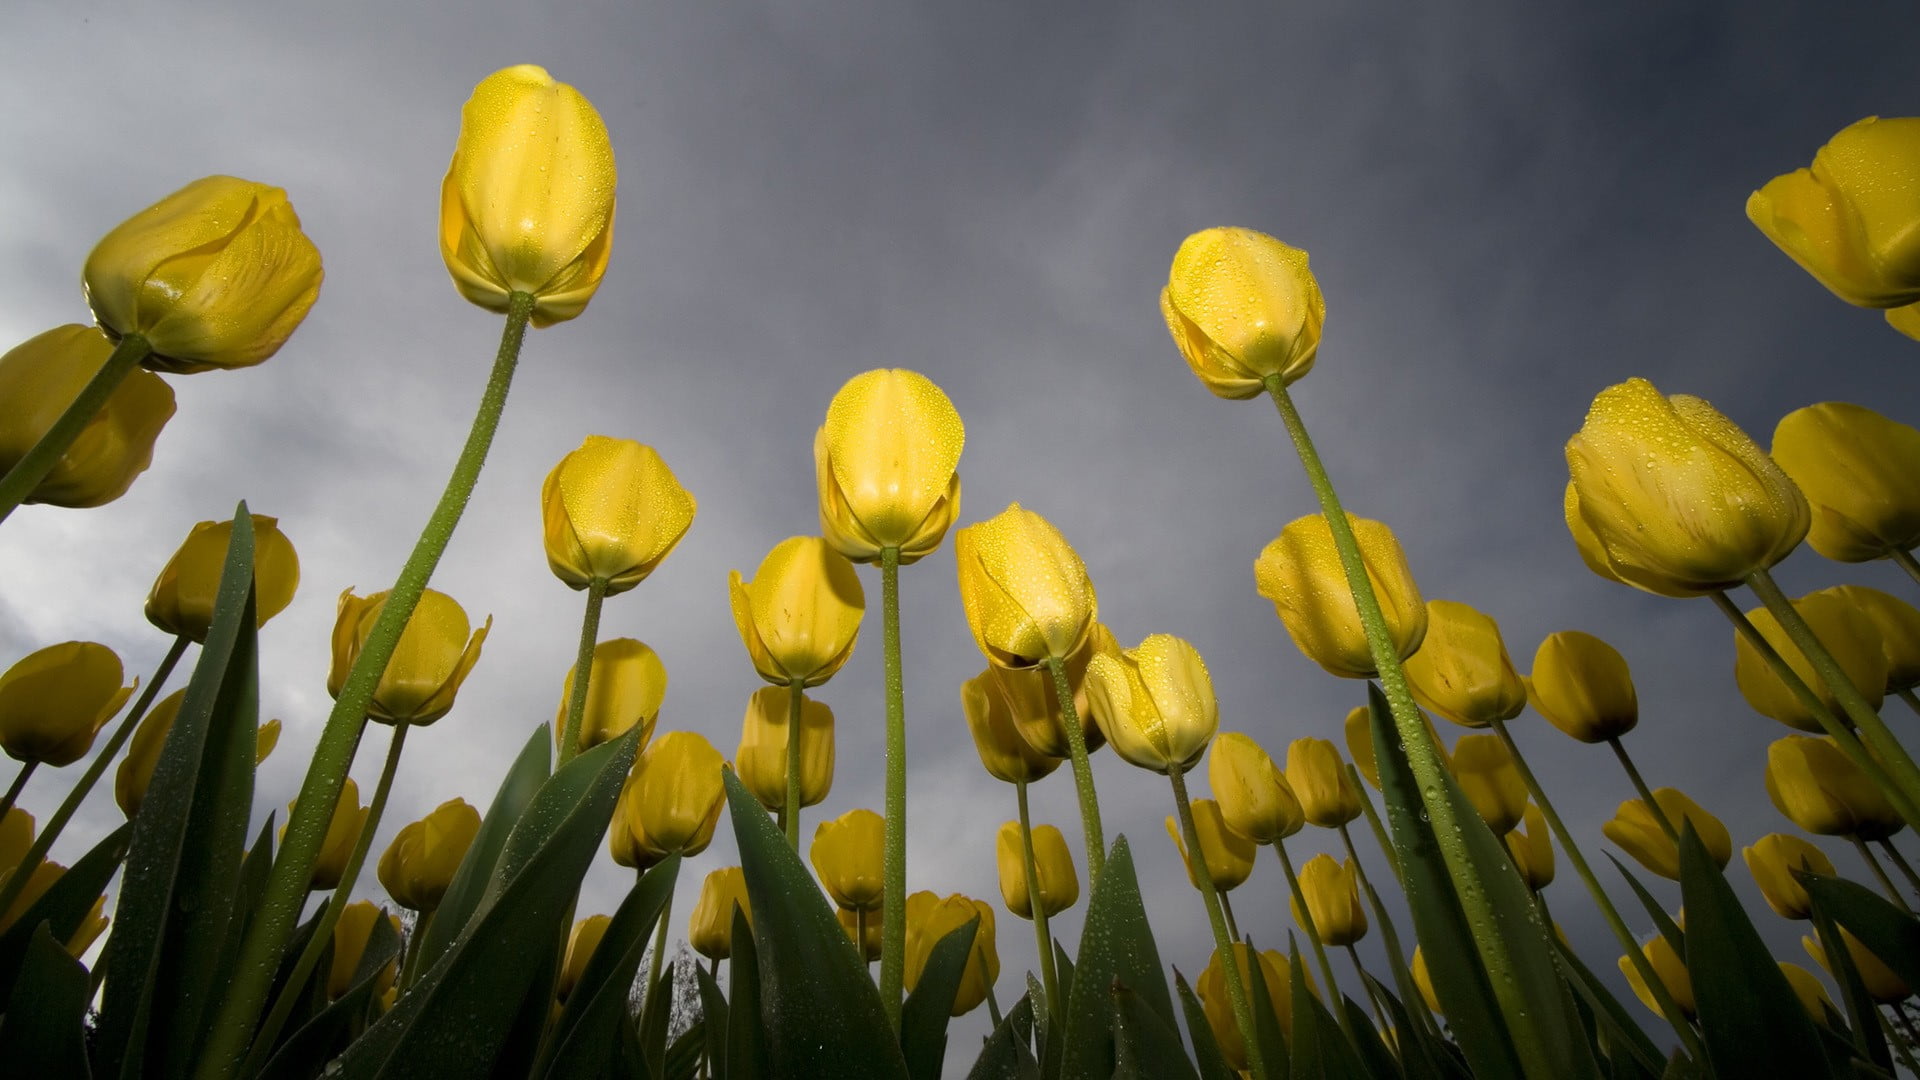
819 1011
683 1057
655 1011
1037 991
1663 922
1206 1048
746 1048
183 861
1612 1018
304 1054
923 1019
1267 1029
1887 932
597 1006
44 1030
1116 946
254 870
713 1020
1863 1014
1423 1055
1006 1057
1375 1058
1146 1047
65 905
1319 1050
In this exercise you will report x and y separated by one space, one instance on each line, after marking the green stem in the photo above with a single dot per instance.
582 670
410 970
659 947
1373 999
1906 868
13 792
266 937
1305 919
1222 940
1906 694
1090 826
1043 936
993 1007
1906 562
893 914
18 484
1373 821
1879 872
790 818
860 934
1226 908
1646 794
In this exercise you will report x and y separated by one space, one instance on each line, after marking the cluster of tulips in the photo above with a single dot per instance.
214 966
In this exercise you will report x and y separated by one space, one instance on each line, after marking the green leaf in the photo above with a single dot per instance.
1886 931
1863 1013
1662 921
746 1045
1625 1036
66 904
529 771
1038 992
819 1011
1422 1055
1319 1050
713 1010
923 1019
1206 1048
254 870
1116 946
683 1057
1267 1029
304 1054
44 1030
655 1011
1146 1047
580 1043
1006 1057
1372 1049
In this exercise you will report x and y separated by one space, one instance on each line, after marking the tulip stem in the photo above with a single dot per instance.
1226 909
1304 916
409 969
1646 794
1905 560
18 484
1879 872
1886 845
790 818
1090 826
44 842
1389 936
266 937
993 1007
1043 935
860 938
1222 940
13 792
893 916
1373 999
1906 695
583 670
1373 821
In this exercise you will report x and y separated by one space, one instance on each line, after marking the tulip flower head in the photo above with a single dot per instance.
420 863
182 598
1860 472
1229 856
1254 797
1155 702
41 878
16 836
886 462
1005 754
1806 986
1359 730
1485 770
432 659
351 935
1211 987
343 832
1319 780
1300 572
1899 626
672 799
710 930
40 378
1531 847
1463 672
1059 888
53 701
1025 591
1669 968
612 511
1034 703
1633 828
762 758
1852 220
1423 980
1847 631
624 690
848 854
1773 859
1583 687
581 943
1332 891
800 615
930 919
135 774
1242 308
1883 984
1817 788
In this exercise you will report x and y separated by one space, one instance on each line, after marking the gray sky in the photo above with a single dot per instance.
1509 206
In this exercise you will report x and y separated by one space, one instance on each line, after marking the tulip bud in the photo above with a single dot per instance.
1034 702
527 205
131 780
885 462
581 943
53 702
1532 849
1899 626
1859 471
1819 789
800 615
1319 781
1003 752
1583 687
1671 971
1423 981
1673 497
1853 219
1463 671
625 686
1806 986
1847 632
1155 702
430 662
1254 798
40 378
1229 855
39 880
612 510
673 797
710 931
1025 591
1633 828
762 758
1333 899
16 836
849 855
1484 768
1300 572
215 275
1211 987
350 937
420 863
1053 866
343 832
863 931
1884 986
929 920
183 596
1772 860
1242 307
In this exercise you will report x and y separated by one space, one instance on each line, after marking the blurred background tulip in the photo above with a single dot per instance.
1254 798
181 601
761 760
1462 671
1670 969
1531 847
1300 571
800 615
40 378
863 931
1229 856
930 918
673 797
1059 887
343 831
1883 984
1859 470
581 942
1005 755
1333 900
710 931
1899 625
1773 859
432 660
1485 770
1242 306
847 854
611 511
1319 781
1814 785
1638 832
350 936
130 781
625 687
1033 702
420 862
54 700
1211 988
1847 632
1583 687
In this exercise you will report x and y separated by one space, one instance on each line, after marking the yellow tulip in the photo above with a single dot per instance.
1025 591
1772 860
1242 307
1003 752
430 662
40 378
1847 632
625 687
1359 729
710 931
343 832
1853 219
1255 799
1639 835
1319 780
1814 785
419 864
527 205
885 461
1463 671
39 879
1532 849
215 275
1300 572
1484 768
581 942
16 836
265 738
800 615
611 511
1053 865
135 773
1806 986
1906 320
1229 855
848 854
1155 702
930 919
1860 472
1899 626
761 760
1332 890
1423 981
182 598
1673 497
1583 687
1034 703
92 925
864 936
1883 985
1669 968
676 797
53 701
350 937
1211 988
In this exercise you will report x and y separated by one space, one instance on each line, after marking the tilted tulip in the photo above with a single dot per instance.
1884 986
581 942
1025 591
1669 968
1254 798
1034 703
1531 848
611 511
1053 867
40 378
1860 472
625 688
182 598
863 932
215 275
1155 702
1582 686
1484 768
1332 890
1817 788
54 700
885 462
1772 861
1463 671
1005 755
527 205
847 853
1359 730
1242 307
343 831
1300 572
673 797
800 615
1633 828
1319 781
420 863
135 773
1806 986
710 930
1229 855
930 918
429 664
1846 631
1899 626
350 937
1211 987
761 760
1853 219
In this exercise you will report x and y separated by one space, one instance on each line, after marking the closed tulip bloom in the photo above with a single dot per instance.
1006 756
53 701
182 598
16 836
612 511
1639 835
761 760
1484 768
1211 987
40 378
419 864
677 796
1814 785
1772 861
849 855
930 919
1806 986
350 937
867 946
1669 968
1155 702
1254 798
1333 898
1847 632
1883 984
1242 307
41 878
527 205
1423 981
1053 865
624 691
1676 499
343 831
428 665
800 615
1899 626
710 931
1853 219
1532 849
1319 781
581 942
131 779
1300 572
1024 589
215 275
1034 703
1463 671
885 462
1229 855
1860 472
1583 687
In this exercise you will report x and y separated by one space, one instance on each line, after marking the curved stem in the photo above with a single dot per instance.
1304 916
1646 794
17 485
893 911
1886 845
582 670
13 791
1879 872
1904 559
1090 826
1906 694
1226 908
1229 957
1043 936
266 937
790 817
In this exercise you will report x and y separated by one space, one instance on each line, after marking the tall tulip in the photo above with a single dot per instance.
1300 572
1243 307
